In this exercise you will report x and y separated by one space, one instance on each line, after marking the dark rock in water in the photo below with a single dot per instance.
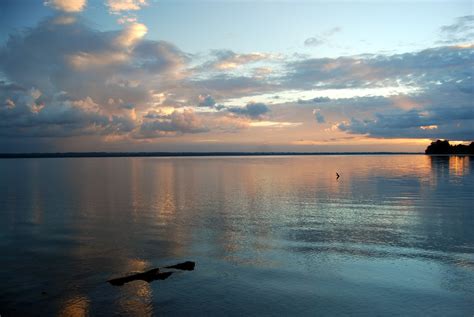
147 276
185 266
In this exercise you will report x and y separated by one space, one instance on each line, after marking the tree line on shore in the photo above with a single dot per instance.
443 147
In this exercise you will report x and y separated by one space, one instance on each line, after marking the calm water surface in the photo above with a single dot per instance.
270 235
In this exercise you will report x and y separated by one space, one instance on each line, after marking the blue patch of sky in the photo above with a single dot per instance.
269 26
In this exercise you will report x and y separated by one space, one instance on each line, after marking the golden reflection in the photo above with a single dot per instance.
165 197
137 297
136 265
167 194
77 306
447 166
458 165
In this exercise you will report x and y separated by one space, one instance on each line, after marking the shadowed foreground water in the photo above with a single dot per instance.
270 235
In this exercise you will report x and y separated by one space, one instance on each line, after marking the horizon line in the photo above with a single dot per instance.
186 154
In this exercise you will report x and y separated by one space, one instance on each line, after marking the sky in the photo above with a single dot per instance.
189 75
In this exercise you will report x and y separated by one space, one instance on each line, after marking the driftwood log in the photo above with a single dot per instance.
153 274
185 266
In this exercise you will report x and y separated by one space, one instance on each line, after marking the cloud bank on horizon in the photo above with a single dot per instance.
67 85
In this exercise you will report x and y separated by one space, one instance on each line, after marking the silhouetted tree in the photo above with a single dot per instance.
443 147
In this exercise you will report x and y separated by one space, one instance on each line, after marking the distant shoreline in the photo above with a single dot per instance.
186 154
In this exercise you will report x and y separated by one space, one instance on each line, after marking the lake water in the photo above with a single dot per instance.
394 235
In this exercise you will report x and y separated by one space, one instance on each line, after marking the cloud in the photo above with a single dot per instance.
83 62
157 57
69 64
314 100
274 124
128 106
64 19
322 38
153 114
67 5
412 124
460 31
227 60
443 97
206 101
132 33
251 110
116 6
352 104
178 122
33 115
445 111
230 123
313 41
68 79
416 68
319 117
226 86
321 99
262 72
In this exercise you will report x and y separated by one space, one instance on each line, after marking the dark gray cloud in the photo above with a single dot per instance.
206 101
321 99
319 116
445 111
159 56
313 100
251 110
412 124
27 116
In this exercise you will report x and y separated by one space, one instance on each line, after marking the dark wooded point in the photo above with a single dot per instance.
443 147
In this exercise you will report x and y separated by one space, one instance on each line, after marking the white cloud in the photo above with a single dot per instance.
116 6
274 124
131 34
67 5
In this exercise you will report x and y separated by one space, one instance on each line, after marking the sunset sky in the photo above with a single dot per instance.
187 75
